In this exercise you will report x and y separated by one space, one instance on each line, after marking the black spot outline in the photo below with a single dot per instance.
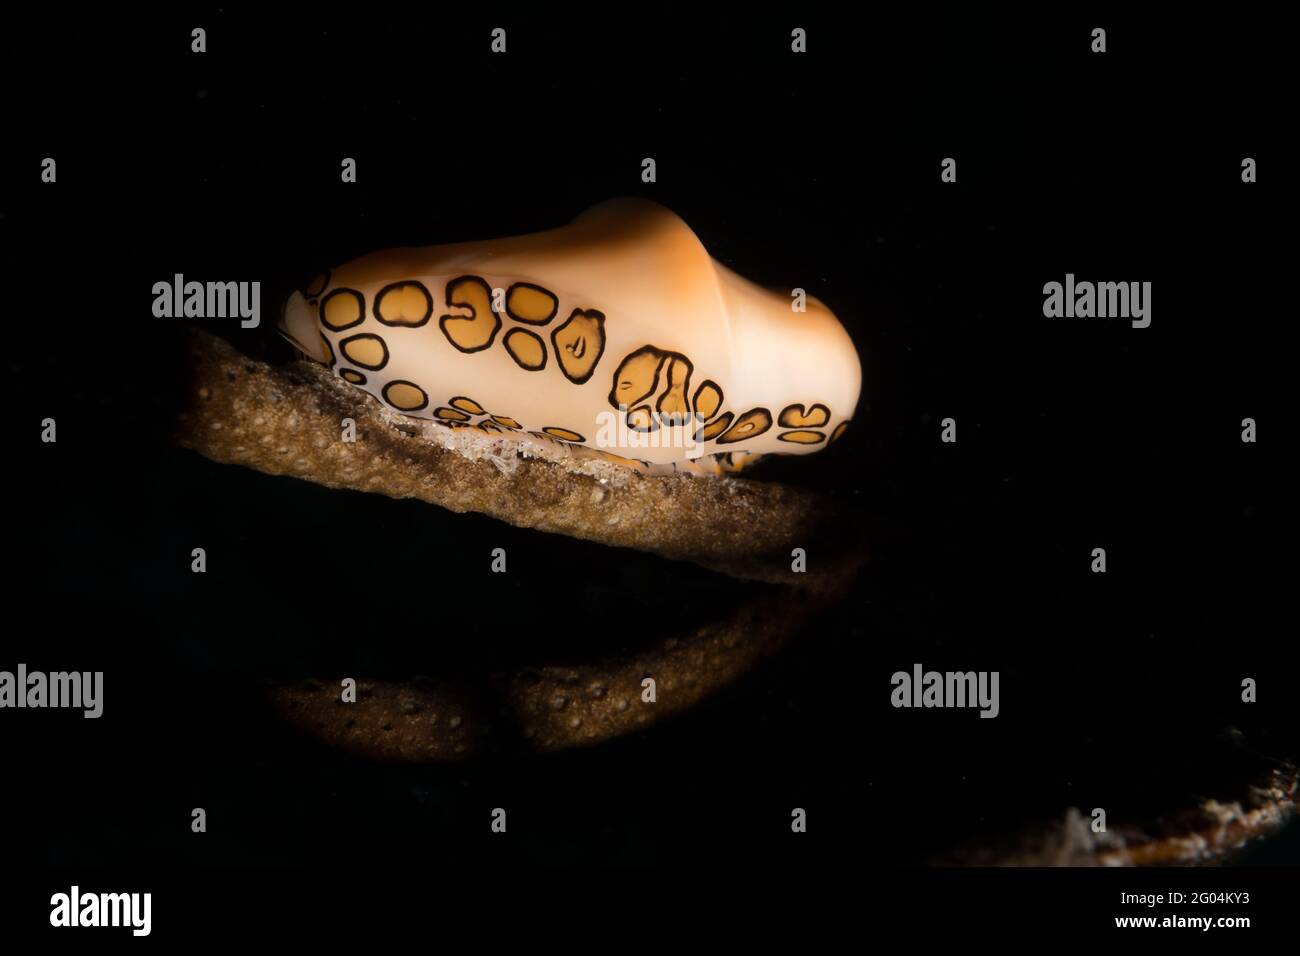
364 335
428 299
555 309
654 386
496 316
516 427
803 413
306 289
334 360
695 400
458 421
726 418
821 436
723 440
402 381
670 418
572 441
342 291
600 326
451 403
505 341
838 430
354 372
654 419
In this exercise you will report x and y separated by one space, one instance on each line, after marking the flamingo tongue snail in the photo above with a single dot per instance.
617 336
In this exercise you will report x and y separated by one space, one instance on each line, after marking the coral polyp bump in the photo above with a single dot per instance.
617 336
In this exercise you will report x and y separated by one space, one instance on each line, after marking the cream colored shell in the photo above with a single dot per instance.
461 333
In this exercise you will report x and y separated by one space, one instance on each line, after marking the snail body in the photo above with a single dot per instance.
616 336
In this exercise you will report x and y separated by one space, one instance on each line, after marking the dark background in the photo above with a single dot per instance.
820 171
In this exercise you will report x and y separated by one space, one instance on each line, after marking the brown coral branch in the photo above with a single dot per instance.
288 421
425 719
